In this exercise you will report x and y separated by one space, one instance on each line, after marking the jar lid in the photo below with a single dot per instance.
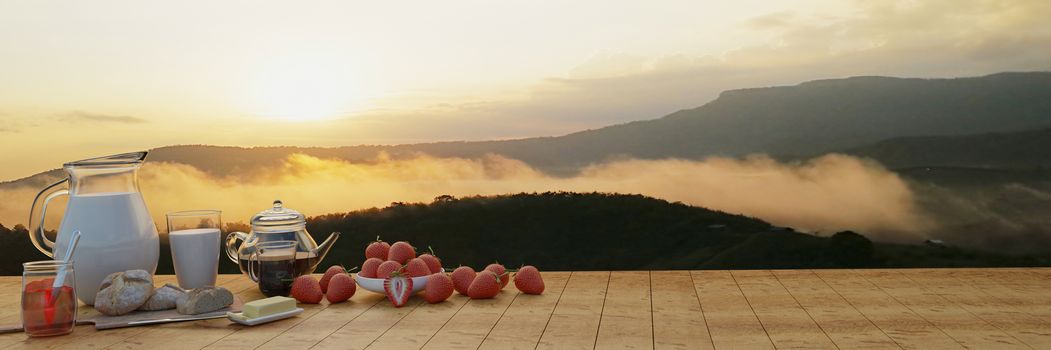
278 216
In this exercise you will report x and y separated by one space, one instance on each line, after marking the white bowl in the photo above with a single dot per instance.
376 284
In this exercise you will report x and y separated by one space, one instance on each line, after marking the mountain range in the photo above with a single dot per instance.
998 120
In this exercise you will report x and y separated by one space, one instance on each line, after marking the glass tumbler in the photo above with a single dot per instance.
48 308
194 237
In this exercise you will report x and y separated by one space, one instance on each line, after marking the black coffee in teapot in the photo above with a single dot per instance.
304 264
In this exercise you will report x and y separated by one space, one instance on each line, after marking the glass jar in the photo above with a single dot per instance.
46 309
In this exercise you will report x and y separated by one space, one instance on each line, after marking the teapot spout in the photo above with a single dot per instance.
323 248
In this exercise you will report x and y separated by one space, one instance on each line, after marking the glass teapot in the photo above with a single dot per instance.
279 224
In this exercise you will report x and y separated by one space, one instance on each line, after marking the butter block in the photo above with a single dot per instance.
267 307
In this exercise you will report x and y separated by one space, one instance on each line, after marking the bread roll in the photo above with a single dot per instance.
163 298
201 300
123 292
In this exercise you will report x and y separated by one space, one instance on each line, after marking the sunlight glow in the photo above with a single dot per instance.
303 90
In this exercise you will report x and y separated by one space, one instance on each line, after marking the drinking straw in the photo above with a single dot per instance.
61 274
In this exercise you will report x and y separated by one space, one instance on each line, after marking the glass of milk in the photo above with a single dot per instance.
194 237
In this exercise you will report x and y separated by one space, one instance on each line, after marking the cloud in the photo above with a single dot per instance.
827 194
79 116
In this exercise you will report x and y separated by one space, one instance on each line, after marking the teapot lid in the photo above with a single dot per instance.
278 216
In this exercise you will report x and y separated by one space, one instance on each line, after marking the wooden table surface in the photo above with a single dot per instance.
761 309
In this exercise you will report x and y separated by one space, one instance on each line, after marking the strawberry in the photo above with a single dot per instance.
307 290
401 252
439 287
368 269
486 285
433 263
387 268
341 288
462 278
398 289
499 270
332 271
377 249
417 268
528 280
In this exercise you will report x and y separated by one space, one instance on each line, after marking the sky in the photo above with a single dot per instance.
83 79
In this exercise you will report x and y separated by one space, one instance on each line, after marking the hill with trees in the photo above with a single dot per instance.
598 231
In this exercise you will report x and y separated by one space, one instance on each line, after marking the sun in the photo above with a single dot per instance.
306 90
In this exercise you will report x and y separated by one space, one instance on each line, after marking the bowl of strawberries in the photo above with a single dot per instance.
383 260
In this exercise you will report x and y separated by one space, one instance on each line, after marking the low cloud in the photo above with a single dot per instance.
78 116
825 194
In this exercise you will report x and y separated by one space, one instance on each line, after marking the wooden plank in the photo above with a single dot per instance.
787 323
309 328
678 322
1032 331
627 312
342 326
847 327
991 288
730 319
525 320
914 308
574 323
1025 288
415 329
959 324
469 327
905 327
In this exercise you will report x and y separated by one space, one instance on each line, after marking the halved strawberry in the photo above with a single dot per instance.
398 289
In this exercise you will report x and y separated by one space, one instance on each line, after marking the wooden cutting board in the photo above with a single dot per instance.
138 318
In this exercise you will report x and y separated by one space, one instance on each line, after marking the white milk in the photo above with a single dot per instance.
117 234
195 254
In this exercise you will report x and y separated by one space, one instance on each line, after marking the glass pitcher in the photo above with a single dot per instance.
105 204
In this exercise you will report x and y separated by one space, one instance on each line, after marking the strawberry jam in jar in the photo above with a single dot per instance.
48 308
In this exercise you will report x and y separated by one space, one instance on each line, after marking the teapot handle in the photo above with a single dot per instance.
231 244
37 236
254 257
